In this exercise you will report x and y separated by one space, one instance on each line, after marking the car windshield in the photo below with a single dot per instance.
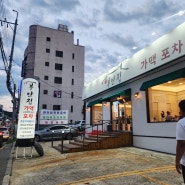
77 122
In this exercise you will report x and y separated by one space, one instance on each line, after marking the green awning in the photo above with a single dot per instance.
126 92
163 79
90 104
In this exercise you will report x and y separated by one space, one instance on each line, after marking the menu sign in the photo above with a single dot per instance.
53 117
28 109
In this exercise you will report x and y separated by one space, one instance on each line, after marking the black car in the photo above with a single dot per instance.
56 132
1 139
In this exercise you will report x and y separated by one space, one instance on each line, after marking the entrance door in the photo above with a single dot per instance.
121 114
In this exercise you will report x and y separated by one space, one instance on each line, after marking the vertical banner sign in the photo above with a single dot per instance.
28 109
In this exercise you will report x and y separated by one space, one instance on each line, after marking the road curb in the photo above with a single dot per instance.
8 173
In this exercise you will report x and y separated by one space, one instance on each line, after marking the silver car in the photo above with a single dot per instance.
56 132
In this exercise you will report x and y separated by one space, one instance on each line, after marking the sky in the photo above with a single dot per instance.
110 30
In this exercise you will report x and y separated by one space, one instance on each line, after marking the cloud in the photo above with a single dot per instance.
123 41
123 11
108 28
5 100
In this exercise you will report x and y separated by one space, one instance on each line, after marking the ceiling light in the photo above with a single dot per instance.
169 82
154 33
180 83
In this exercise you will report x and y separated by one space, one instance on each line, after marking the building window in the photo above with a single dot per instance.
163 101
71 108
72 95
46 63
72 81
48 39
47 50
57 94
45 92
58 80
58 66
73 68
73 56
44 106
56 107
59 53
46 77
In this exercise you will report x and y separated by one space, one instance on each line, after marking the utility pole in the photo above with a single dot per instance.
9 70
11 58
14 107
8 82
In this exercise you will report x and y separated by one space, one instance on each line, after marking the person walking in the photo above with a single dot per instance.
180 138
168 116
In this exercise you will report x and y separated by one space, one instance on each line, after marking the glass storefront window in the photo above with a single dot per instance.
163 101
96 113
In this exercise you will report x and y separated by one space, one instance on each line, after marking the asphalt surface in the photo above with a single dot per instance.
129 166
4 157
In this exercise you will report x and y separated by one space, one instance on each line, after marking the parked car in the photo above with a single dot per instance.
5 131
56 132
1 139
80 125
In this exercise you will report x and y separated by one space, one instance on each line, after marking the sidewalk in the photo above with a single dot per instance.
8 171
120 166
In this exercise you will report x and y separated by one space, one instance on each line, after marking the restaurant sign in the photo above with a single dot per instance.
162 51
28 109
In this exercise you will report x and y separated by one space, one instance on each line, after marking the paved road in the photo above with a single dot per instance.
4 156
122 166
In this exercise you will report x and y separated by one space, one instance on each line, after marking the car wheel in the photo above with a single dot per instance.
38 148
37 138
69 136
1 143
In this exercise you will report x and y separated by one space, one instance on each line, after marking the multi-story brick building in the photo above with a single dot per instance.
57 63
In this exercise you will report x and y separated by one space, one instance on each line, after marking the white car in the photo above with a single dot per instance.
80 125
5 131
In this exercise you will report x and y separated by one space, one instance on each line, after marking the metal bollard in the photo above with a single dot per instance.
52 140
62 142
97 132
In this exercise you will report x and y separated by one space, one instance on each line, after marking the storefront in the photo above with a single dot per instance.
141 91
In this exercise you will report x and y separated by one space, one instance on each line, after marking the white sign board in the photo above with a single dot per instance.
163 50
28 109
53 117
53 122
